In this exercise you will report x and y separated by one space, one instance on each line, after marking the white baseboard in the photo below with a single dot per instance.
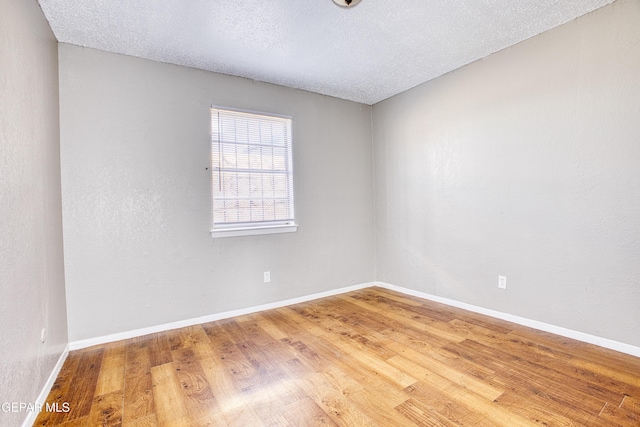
76 345
42 397
569 333
580 336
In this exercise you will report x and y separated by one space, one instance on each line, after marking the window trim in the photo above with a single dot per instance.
254 230
261 227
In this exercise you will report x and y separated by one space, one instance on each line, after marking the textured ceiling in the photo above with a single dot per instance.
366 53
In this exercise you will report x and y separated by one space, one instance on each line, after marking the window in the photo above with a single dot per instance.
252 173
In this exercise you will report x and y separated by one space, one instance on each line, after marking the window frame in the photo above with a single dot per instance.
235 229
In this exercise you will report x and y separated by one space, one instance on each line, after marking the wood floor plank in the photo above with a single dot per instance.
197 396
418 416
269 413
60 391
138 386
242 370
372 357
429 404
170 408
82 391
371 402
614 415
198 341
253 332
427 311
159 349
367 331
214 420
587 352
148 421
377 365
78 422
522 388
309 357
627 413
593 382
407 299
573 393
332 402
301 324
106 410
242 416
631 403
348 385
608 371
267 402
269 327
412 361
416 321
541 406
224 387
305 412
292 325
476 403
111 376
329 325
368 377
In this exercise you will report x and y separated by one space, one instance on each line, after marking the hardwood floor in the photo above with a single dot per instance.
367 358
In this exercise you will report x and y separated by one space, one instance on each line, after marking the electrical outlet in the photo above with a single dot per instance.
502 282
267 276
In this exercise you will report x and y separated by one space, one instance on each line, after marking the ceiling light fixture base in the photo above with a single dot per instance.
347 3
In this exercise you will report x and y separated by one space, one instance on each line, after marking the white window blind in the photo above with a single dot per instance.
252 170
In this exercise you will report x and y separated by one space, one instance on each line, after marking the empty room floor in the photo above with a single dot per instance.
366 358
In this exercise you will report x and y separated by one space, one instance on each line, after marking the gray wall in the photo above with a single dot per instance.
137 204
524 164
32 292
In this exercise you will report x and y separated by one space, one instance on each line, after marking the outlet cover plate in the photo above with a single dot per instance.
502 282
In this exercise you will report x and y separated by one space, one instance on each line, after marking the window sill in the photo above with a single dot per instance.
253 231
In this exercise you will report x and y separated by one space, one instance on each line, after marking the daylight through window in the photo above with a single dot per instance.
252 171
